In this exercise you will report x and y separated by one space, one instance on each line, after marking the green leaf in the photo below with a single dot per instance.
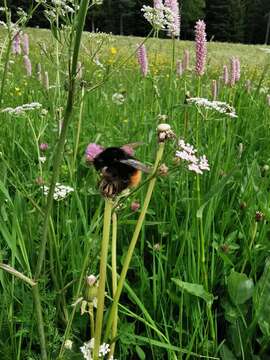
240 287
261 300
140 352
226 354
196 290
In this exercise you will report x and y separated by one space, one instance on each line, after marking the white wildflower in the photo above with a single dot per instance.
23 108
187 153
87 348
104 349
219 106
42 159
161 17
68 344
60 191
195 168
118 99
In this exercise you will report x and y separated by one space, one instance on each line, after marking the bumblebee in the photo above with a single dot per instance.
119 169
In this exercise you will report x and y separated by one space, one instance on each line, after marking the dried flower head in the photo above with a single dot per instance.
163 170
259 216
164 132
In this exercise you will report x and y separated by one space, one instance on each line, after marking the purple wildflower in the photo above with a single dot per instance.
92 151
201 50
179 67
27 65
16 44
225 75
233 72
25 44
174 28
142 59
186 60
128 149
237 69
43 146
135 205
158 4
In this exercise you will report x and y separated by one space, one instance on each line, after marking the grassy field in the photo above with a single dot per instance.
198 284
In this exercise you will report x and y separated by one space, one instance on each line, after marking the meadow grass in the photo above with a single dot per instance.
198 284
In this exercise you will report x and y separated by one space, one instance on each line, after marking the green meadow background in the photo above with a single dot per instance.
174 304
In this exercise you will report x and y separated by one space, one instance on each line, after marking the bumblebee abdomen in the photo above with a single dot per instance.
135 178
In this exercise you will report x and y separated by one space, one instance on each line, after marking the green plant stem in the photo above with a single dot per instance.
60 147
102 274
250 245
40 323
114 279
56 168
78 131
133 242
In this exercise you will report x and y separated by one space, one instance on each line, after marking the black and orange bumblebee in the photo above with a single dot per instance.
119 169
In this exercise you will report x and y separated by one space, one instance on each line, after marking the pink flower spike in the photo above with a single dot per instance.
135 205
201 50
233 72
16 44
92 151
186 60
27 65
225 75
195 168
142 59
173 5
179 67
237 69
25 44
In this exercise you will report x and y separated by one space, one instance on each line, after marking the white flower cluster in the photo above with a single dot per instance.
22 109
87 348
60 191
161 17
118 99
64 6
187 153
219 106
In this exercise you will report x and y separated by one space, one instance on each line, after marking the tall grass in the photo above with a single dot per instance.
176 304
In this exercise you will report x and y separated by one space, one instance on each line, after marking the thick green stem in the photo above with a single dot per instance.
114 279
102 274
41 332
133 242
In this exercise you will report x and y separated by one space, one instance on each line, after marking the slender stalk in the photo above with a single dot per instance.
60 147
114 279
78 131
250 245
41 332
92 319
56 168
102 274
133 242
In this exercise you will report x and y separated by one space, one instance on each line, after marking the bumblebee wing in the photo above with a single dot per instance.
137 165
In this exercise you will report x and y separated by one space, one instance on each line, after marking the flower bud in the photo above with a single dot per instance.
135 205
